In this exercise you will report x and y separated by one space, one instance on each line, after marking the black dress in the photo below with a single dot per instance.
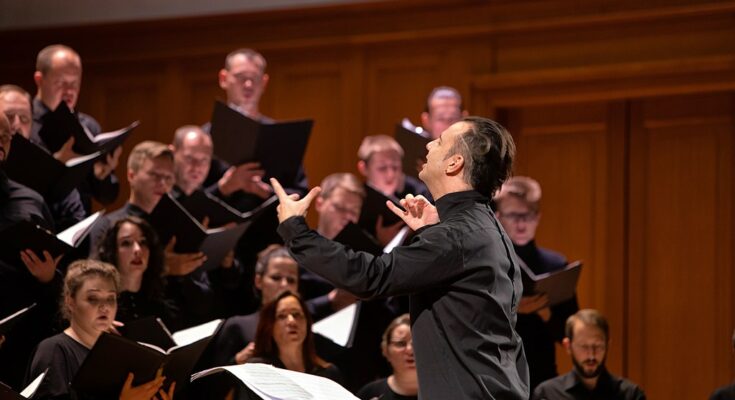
62 356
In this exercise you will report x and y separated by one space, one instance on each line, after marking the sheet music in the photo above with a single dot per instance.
79 160
397 240
191 335
320 388
72 234
338 326
273 383
265 380
30 390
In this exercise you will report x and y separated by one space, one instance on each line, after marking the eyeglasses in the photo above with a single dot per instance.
165 178
519 217
24 118
242 79
401 344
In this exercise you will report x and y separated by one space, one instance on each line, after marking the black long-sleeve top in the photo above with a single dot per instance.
103 190
464 284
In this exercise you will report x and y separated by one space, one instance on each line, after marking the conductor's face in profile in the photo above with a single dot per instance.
438 157
335 211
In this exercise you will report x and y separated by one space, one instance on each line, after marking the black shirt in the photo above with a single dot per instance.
379 390
539 335
63 356
20 203
106 190
570 386
465 285
19 289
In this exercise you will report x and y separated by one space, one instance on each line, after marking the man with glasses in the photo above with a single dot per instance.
540 325
151 176
15 103
587 338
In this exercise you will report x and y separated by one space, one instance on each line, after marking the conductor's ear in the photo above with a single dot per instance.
455 165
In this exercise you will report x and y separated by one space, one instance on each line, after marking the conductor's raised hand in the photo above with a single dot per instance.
289 204
417 213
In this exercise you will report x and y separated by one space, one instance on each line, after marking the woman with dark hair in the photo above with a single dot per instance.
89 303
284 338
132 246
397 346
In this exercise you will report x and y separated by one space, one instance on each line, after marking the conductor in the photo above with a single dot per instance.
460 269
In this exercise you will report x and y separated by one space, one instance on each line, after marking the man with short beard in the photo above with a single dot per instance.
587 339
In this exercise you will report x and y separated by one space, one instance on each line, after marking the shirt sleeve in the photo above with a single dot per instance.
432 259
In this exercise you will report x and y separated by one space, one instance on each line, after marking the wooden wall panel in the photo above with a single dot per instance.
681 243
566 148
398 83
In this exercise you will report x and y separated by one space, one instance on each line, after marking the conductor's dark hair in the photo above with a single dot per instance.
488 151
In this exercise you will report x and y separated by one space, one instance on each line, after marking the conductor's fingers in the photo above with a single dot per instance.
396 210
278 189
312 193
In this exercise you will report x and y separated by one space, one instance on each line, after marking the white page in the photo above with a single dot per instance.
263 379
78 160
72 234
102 137
338 326
319 387
15 314
191 335
397 240
30 390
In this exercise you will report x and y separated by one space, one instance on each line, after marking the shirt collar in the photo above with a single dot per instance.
39 109
572 380
452 203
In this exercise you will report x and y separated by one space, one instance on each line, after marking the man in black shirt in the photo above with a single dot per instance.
21 285
460 270
15 103
58 78
587 339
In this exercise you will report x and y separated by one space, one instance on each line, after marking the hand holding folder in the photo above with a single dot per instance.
113 357
62 124
278 147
